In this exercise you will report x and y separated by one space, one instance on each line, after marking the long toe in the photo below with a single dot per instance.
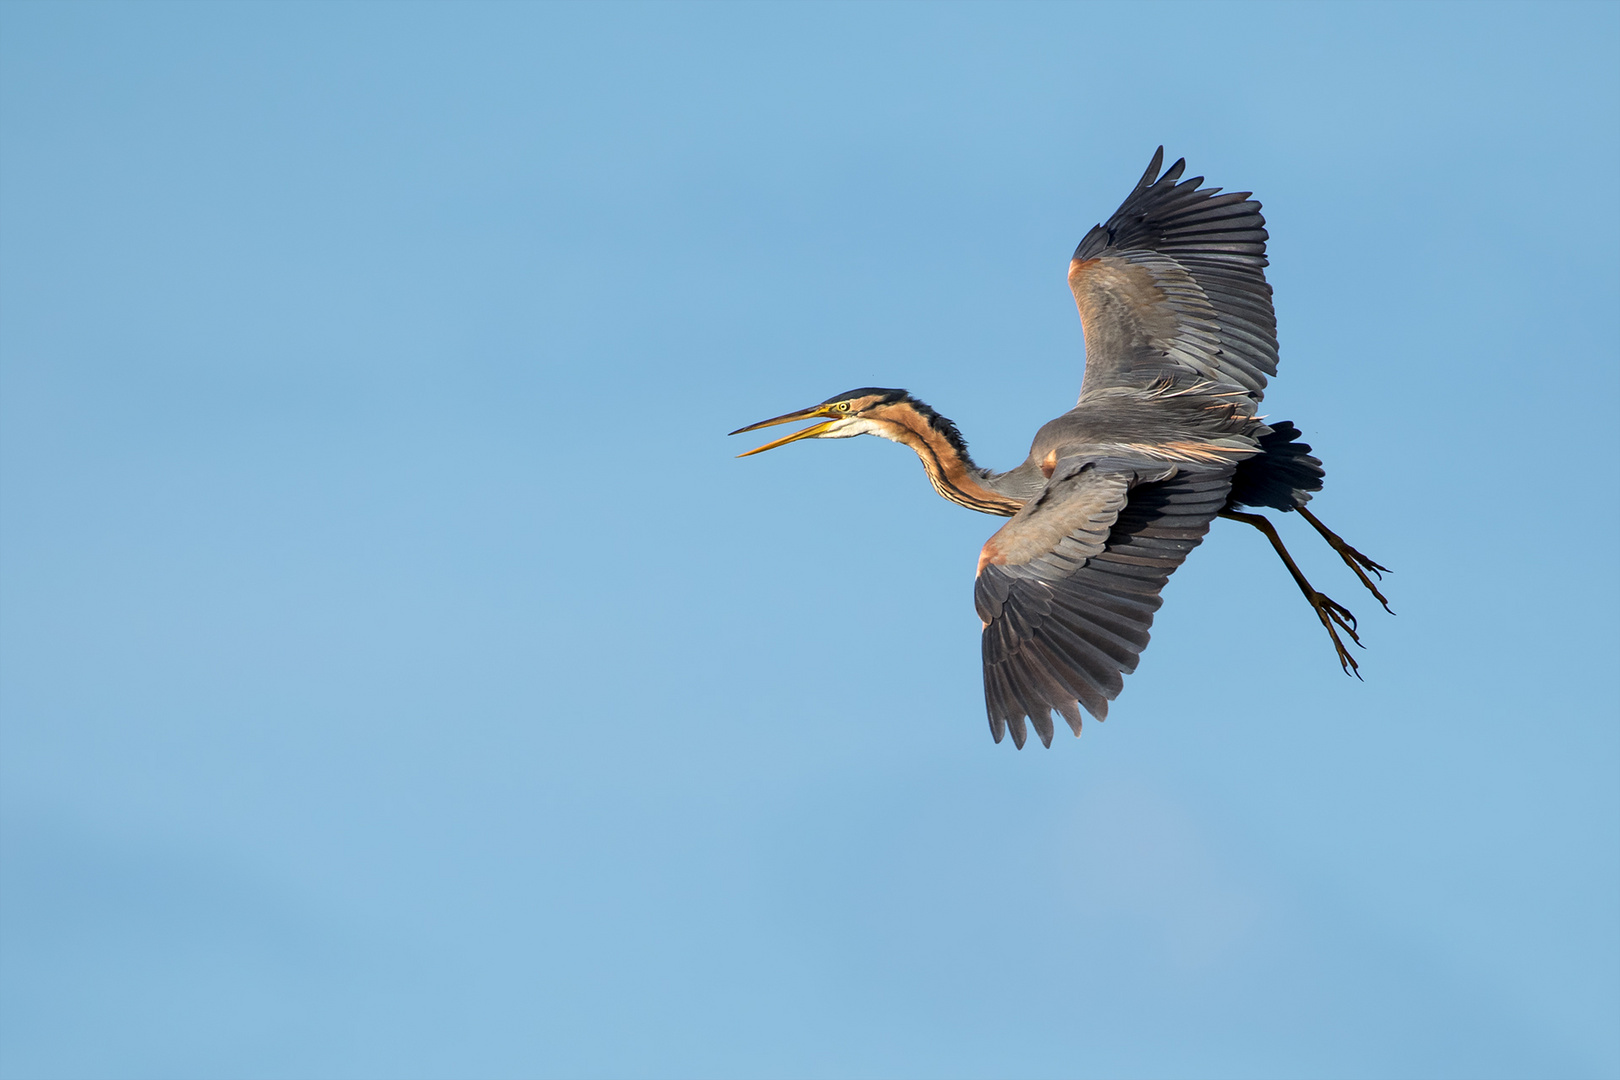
1338 613
1356 565
1336 617
1366 563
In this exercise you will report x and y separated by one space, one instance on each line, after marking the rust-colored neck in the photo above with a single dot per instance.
944 457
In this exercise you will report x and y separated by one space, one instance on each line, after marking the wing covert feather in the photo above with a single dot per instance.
1067 589
1175 282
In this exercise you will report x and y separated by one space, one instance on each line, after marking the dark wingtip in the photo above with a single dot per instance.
1152 173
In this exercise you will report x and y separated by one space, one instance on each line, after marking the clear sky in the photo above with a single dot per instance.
401 678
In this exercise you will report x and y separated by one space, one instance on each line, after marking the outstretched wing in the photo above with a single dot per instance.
1067 588
1175 284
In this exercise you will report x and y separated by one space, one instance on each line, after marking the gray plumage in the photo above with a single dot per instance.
1115 493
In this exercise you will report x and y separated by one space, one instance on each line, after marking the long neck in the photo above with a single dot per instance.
944 456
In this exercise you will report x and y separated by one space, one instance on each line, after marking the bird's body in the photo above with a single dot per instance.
1180 338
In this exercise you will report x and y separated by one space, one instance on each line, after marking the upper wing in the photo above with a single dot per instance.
1175 283
1067 588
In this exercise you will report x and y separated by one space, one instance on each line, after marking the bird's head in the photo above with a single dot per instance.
871 410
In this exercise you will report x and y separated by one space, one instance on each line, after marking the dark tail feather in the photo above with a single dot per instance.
1282 476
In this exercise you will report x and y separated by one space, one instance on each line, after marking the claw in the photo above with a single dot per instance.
1366 563
1341 614
1354 559
1336 617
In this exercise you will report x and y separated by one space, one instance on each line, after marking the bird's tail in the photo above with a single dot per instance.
1282 476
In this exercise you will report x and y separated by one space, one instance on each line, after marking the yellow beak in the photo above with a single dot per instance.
803 414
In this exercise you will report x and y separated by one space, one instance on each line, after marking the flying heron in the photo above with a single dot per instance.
1180 336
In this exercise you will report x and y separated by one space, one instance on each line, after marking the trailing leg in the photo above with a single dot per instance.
1334 616
1354 559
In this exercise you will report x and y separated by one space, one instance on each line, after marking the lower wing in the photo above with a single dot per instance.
1067 589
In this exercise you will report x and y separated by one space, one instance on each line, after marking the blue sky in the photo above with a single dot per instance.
399 677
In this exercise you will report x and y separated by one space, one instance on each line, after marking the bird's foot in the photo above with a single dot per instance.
1355 560
1359 563
1335 617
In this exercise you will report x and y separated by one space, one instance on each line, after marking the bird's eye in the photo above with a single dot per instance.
843 406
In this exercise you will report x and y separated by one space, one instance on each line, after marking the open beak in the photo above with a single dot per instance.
803 414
